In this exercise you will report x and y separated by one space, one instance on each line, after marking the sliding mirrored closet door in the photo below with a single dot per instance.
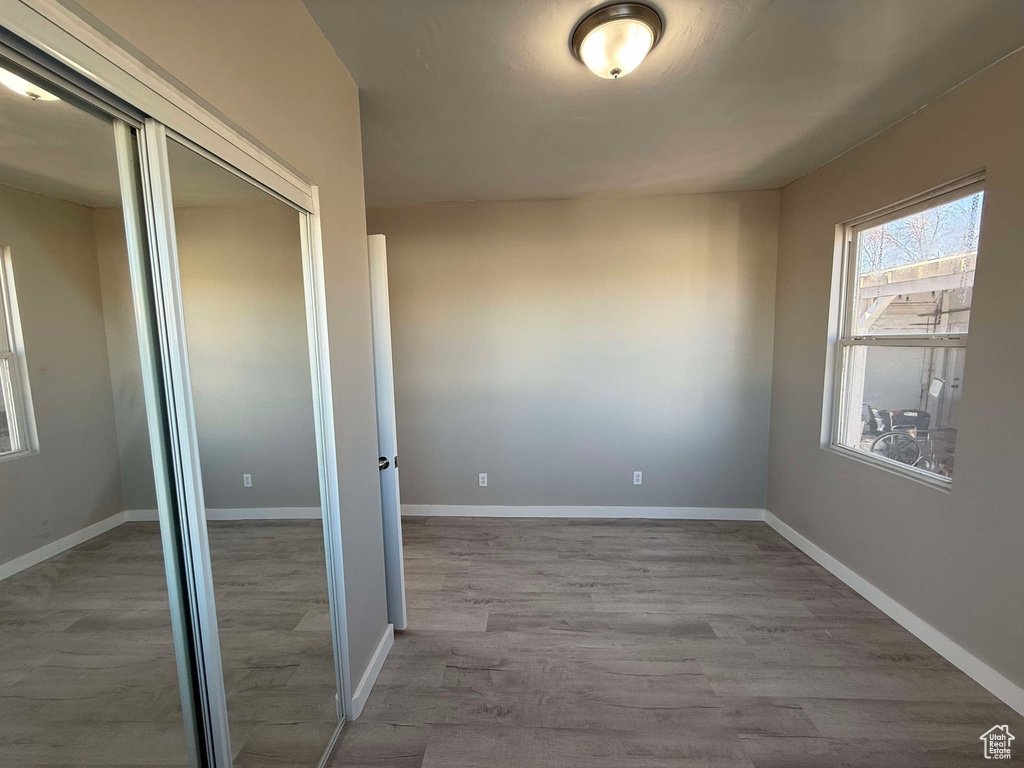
91 609
239 256
169 594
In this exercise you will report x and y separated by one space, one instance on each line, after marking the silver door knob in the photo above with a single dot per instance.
383 463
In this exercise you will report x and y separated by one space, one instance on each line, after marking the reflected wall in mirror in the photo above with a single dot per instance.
87 662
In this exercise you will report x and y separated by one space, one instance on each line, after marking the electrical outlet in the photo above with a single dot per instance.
483 479
247 480
638 478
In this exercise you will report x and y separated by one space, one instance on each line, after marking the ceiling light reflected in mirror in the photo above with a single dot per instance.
23 87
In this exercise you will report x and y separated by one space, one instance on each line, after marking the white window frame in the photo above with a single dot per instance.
844 339
13 370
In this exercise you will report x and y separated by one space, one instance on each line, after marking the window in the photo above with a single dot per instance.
908 282
15 421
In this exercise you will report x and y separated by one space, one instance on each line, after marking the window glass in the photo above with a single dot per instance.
903 335
6 432
915 274
903 404
12 405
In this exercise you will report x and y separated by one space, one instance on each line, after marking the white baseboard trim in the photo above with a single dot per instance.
47 551
998 685
140 515
254 513
642 513
362 691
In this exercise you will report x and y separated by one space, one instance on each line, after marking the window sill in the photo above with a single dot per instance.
893 467
16 455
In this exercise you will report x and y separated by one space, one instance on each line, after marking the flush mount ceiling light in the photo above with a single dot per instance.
23 87
613 40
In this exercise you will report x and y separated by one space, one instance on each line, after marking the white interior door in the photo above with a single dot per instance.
387 438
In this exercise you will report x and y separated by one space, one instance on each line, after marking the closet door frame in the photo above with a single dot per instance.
193 513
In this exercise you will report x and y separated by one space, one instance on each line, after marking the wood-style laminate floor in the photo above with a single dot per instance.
87 670
641 644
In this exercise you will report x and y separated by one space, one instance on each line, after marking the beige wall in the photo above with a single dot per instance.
266 65
241 275
560 345
74 480
953 558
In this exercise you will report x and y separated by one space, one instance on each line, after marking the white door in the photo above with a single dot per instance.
387 438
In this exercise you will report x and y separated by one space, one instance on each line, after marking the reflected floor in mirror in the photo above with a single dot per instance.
87 667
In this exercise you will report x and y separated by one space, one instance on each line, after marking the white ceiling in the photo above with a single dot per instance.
482 99
55 149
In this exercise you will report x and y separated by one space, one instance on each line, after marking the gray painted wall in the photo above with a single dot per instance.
245 321
560 345
241 275
250 365
74 480
952 558
266 65
137 489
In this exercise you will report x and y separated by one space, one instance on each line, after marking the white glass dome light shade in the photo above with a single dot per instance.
613 40
616 48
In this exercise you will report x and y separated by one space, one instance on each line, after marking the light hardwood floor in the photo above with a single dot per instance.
87 670
534 644
640 644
